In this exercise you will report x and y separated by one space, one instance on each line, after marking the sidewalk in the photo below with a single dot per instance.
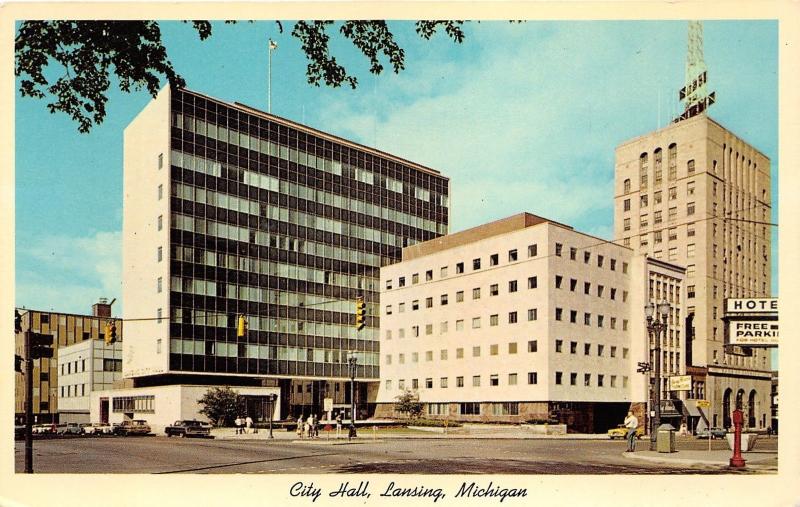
758 460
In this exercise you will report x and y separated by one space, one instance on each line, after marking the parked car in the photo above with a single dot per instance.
69 429
187 428
715 433
97 429
134 427
43 429
621 432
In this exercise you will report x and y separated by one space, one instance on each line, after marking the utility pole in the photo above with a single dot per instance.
272 45
28 399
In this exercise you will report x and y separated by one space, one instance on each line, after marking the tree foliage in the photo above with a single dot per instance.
222 405
90 52
408 403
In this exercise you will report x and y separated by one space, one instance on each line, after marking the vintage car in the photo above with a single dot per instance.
188 428
621 431
97 429
43 429
69 429
715 433
134 427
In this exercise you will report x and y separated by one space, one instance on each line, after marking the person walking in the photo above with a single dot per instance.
631 422
248 423
338 424
300 427
314 423
238 423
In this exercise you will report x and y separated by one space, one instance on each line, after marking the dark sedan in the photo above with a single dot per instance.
188 428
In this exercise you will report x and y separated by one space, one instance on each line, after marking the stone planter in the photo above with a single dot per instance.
748 441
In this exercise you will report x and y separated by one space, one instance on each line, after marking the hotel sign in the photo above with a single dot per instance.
752 305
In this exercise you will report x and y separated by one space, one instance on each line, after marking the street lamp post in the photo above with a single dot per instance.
352 362
655 327
272 398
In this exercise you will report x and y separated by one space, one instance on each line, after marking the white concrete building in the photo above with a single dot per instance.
161 406
519 319
84 367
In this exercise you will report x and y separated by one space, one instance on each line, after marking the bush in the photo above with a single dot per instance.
434 423
222 405
541 421
408 403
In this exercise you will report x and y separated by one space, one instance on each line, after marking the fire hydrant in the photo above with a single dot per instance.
738 420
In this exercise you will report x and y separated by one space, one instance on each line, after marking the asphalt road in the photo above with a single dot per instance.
156 454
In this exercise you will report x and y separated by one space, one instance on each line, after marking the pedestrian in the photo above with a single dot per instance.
307 427
314 423
338 424
631 422
238 424
249 423
300 427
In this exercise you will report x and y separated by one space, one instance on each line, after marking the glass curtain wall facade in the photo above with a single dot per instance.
287 226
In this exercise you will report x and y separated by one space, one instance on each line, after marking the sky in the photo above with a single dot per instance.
520 116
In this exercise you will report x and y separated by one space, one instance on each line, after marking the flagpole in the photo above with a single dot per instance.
272 45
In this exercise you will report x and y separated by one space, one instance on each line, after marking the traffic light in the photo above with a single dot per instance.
241 328
41 346
18 363
643 367
361 313
17 321
111 332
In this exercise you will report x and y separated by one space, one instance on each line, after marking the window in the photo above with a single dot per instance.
415 305
672 254
532 282
459 381
626 205
587 286
494 380
573 379
600 349
613 294
460 296
613 323
600 291
690 188
586 257
428 302
476 323
559 312
443 327
460 325
558 377
512 255
160 160
388 284
443 299
160 254
690 208
494 290
401 282
600 319
657 197
657 218
493 260
459 353
572 284
415 331
160 222
415 357
613 352
476 293
512 348
559 246
459 267
626 186
159 284
672 214
672 234
573 347
428 329
388 309
690 167
414 384
532 250
573 316
600 380
643 221
493 320
388 385
587 349
476 381
624 353
573 253
512 286
160 192
476 264
401 307
690 230
690 250
643 201
512 380
532 313
533 377
512 317
690 291
587 379
559 278
559 344
533 346
443 382
624 268
428 383
626 224
429 275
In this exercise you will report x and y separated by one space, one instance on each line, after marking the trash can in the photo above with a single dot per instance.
665 438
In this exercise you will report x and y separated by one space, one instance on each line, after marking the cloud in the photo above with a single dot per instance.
69 273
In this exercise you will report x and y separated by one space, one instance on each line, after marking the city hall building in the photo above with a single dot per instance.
695 194
523 319
231 211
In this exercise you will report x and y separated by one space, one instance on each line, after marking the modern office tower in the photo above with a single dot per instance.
230 211
521 319
695 194
62 384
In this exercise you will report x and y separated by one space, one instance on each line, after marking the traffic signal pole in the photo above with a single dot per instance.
28 402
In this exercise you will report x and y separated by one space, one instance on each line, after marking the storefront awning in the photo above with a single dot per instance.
691 406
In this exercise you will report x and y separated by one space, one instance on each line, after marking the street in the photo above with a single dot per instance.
161 455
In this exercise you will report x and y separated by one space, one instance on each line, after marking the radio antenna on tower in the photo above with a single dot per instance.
694 93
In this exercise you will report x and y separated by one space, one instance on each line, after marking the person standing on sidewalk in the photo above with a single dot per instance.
338 424
300 427
248 421
238 423
631 422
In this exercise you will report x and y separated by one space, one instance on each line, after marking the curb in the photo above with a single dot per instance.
694 461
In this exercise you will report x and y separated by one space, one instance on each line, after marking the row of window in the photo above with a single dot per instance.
280 325
206 166
143 403
494 349
587 319
476 324
266 147
511 380
513 256
73 390
279 352
474 408
494 290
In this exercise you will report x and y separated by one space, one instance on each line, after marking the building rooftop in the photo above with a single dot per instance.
496 228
